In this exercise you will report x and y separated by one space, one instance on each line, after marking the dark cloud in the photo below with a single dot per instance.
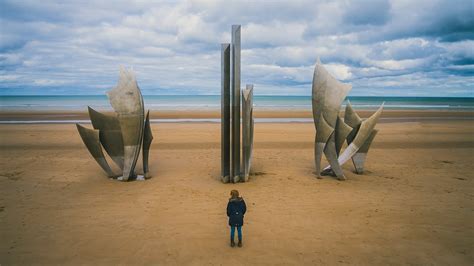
367 12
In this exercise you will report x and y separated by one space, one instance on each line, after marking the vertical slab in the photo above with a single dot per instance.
235 170
251 130
225 112
247 129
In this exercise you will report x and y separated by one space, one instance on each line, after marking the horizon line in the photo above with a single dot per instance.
264 95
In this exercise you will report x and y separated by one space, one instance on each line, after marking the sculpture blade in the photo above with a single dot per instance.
90 138
112 142
352 119
366 127
127 101
364 131
359 158
342 131
331 155
324 129
147 139
102 121
109 133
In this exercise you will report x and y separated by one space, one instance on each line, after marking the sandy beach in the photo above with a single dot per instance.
410 115
413 205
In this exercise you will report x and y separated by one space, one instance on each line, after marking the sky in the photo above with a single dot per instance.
381 47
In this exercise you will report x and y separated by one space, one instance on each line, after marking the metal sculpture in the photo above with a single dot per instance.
121 135
233 169
332 131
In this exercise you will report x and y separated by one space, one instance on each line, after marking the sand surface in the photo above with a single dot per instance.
414 204
6 115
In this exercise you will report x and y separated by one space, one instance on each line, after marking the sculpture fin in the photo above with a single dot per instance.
366 127
112 142
359 158
109 134
342 130
147 139
364 131
331 155
323 133
352 119
102 121
90 138
323 130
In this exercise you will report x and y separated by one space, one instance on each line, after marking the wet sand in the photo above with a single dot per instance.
413 205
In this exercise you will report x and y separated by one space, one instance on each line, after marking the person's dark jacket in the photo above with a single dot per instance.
236 209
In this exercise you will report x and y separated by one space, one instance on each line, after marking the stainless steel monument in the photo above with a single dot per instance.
122 135
233 168
332 131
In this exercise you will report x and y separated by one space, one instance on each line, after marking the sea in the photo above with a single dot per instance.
212 102
62 103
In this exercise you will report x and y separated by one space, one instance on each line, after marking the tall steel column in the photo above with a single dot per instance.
225 112
235 171
247 130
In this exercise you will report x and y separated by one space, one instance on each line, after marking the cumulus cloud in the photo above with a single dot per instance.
383 47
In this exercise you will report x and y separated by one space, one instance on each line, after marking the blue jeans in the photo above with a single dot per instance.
239 232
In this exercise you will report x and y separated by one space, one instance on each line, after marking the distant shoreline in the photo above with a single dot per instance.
211 103
261 116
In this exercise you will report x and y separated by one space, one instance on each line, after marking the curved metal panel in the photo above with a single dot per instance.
331 155
364 131
352 119
320 141
112 142
90 138
361 155
147 139
366 127
109 133
102 121
342 130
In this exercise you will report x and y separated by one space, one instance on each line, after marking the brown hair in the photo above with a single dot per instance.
234 194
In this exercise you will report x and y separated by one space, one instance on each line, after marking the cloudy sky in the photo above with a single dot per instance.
382 47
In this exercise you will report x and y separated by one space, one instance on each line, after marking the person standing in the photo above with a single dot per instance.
236 209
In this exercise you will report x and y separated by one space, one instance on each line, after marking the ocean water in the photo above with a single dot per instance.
212 102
